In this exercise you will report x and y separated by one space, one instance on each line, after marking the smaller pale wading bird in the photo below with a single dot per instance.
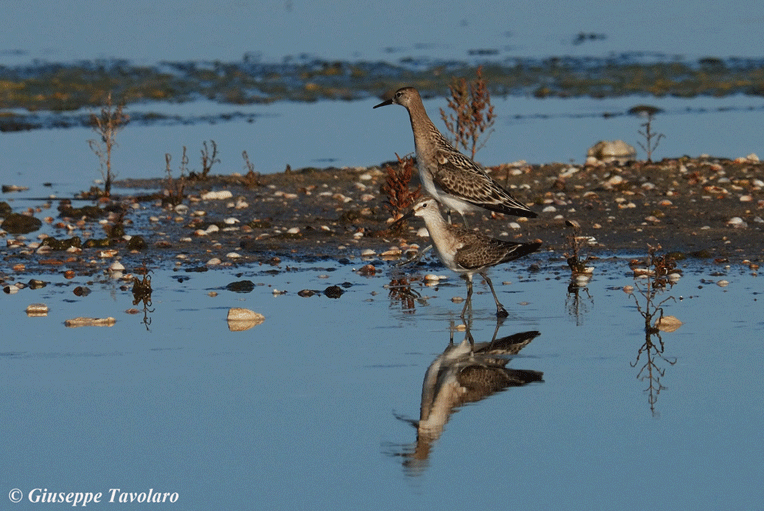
468 252
453 179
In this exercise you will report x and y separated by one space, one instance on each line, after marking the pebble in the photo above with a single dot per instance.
233 255
221 195
79 322
667 324
37 310
214 261
11 289
723 283
737 223
293 230
240 319
368 253
116 266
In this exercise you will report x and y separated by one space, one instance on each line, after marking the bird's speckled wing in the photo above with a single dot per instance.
480 251
459 176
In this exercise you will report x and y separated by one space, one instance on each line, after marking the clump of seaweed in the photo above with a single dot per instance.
400 195
111 120
473 114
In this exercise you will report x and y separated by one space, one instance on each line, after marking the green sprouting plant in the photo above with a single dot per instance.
111 120
473 114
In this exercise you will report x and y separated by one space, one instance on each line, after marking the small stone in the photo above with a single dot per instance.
628 289
116 266
723 283
333 291
737 223
667 324
214 261
80 322
368 270
240 319
221 195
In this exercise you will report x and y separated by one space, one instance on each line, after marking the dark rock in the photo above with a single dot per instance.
241 286
137 243
333 291
15 223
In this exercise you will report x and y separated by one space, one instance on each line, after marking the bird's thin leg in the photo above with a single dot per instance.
468 303
500 310
499 322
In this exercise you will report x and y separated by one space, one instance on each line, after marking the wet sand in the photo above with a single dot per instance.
701 208
684 205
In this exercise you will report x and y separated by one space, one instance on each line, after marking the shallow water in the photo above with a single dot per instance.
313 408
339 133
308 407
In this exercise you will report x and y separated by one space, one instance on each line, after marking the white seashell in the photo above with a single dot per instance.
116 266
221 195
737 223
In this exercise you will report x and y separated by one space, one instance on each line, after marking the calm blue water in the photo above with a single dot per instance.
146 31
301 410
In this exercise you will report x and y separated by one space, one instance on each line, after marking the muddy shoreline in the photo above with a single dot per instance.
705 208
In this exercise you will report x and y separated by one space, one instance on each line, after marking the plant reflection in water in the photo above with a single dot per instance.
142 293
659 273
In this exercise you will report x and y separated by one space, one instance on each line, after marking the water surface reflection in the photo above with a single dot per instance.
464 373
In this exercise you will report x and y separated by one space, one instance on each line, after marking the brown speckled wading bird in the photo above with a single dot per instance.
453 179
468 252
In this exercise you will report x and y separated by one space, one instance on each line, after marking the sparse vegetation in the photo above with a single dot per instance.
473 114
174 188
397 187
651 138
208 160
111 120
251 178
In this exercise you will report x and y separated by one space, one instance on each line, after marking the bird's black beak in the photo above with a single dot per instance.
402 219
385 103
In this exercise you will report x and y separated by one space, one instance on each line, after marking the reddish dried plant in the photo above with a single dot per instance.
400 196
473 114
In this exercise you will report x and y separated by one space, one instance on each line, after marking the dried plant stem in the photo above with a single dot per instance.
110 121
473 114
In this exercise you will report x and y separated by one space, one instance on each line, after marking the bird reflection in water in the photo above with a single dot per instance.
464 373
